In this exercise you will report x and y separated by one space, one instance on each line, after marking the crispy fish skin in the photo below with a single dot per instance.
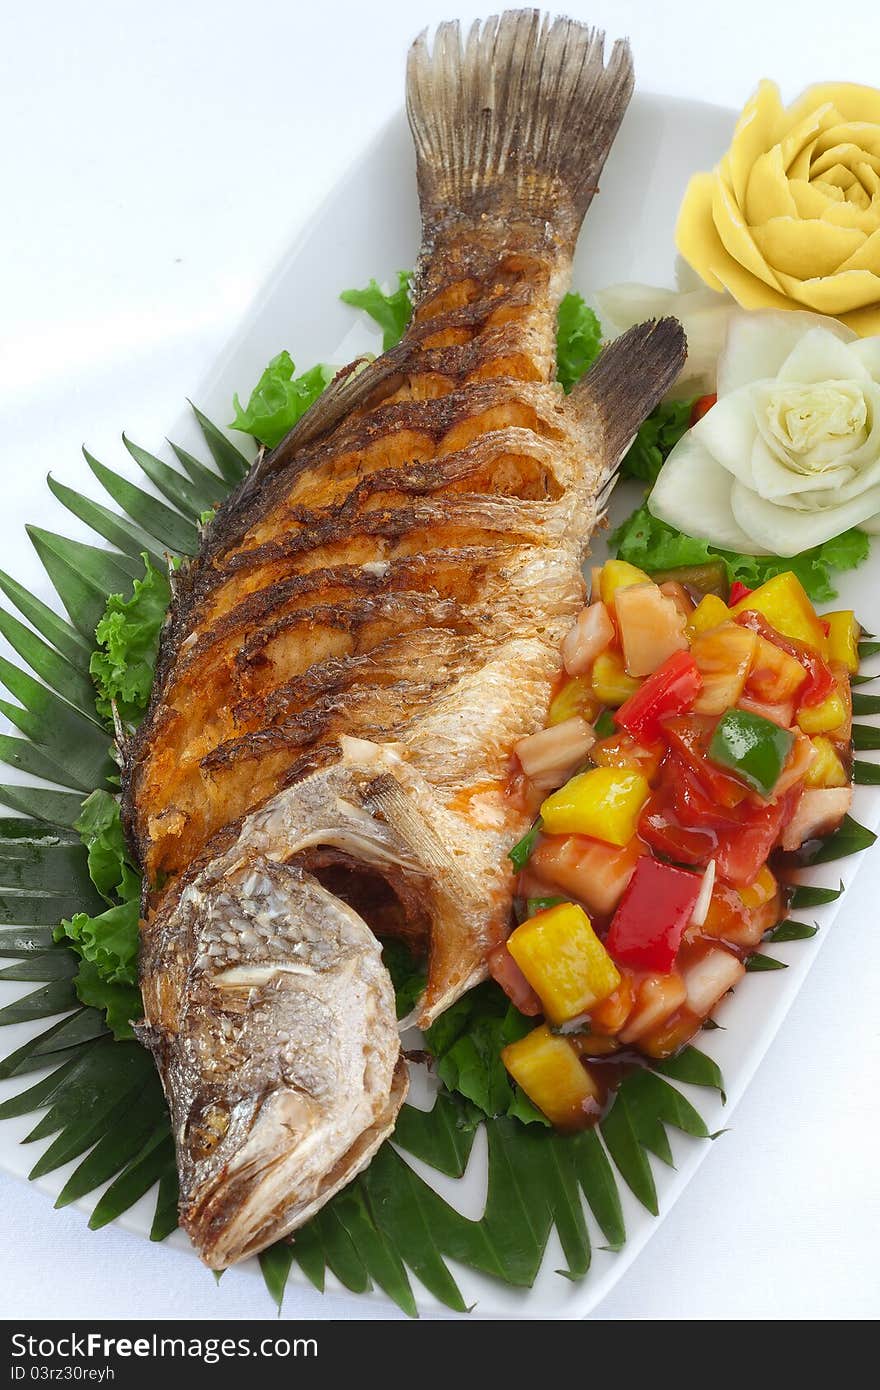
283 1070
372 623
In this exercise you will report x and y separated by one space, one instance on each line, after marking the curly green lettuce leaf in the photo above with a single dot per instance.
279 399
110 866
655 440
650 544
128 640
107 943
392 312
578 340
120 1002
466 1042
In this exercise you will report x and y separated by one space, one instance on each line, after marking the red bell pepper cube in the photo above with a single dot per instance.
701 406
647 928
738 592
670 690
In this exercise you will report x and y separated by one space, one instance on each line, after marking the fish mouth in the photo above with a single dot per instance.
259 1197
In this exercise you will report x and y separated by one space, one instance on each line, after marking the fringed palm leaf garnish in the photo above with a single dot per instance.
100 1099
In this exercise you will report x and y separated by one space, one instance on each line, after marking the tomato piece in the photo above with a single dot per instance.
660 828
693 805
738 592
701 406
743 852
505 971
689 737
820 678
671 690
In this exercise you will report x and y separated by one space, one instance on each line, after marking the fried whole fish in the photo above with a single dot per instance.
373 621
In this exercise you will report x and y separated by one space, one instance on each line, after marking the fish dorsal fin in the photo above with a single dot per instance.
629 378
351 388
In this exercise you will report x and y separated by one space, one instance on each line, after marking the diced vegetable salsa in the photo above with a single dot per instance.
692 741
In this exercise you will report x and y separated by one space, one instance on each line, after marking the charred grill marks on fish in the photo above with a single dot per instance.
372 623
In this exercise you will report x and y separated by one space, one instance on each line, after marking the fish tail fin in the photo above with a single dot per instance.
630 377
518 116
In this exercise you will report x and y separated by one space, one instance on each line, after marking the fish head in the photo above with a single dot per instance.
279 1052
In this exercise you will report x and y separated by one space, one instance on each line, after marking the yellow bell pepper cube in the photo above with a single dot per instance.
610 680
564 961
826 769
573 698
604 802
761 891
823 718
783 602
619 574
711 611
843 639
554 1078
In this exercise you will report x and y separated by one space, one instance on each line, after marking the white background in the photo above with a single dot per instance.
155 162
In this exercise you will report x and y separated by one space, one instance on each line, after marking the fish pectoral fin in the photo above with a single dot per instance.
403 800
628 379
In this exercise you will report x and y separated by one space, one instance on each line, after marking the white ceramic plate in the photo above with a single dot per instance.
369 227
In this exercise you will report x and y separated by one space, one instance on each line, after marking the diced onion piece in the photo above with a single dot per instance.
651 627
505 971
590 634
819 811
609 1017
711 977
658 998
594 873
797 765
680 597
782 714
701 906
549 757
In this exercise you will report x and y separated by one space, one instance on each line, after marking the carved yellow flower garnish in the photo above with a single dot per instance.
790 218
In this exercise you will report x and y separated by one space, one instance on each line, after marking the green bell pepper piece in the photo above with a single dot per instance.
536 905
605 725
752 748
519 855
